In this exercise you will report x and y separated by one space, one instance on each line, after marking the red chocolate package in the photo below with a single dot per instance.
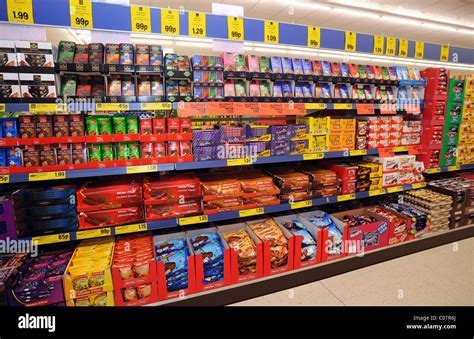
173 148
167 211
171 188
48 155
111 217
76 125
159 149
84 86
27 125
146 126
93 196
64 154
224 204
31 156
79 154
61 125
159 126
147 150
185 125
185 148
173 125
44 126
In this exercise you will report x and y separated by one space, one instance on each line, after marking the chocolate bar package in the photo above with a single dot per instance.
7 54
97 86
144 85
286 89
61 125
76 125
326 90
264 64
112 54
184 88
344 70
287 66
183 63
307 67
96 53
27 126
240 88
276 64
172 88
84 86
281 147
335 69
299 90
126 54
252 63
114 85
156 85
156 55
142 54
362 72
34 54
326 67
31 156
68 85
171 62
110 217
66 51
240 65
37 85
13 156
44 126
128 85
81 54
48 155
297 66
64 154
9 128
277 90
369 71
94 152
79 154
9 85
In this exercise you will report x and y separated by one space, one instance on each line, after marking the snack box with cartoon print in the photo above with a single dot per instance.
162 244
134 270
365 237
398 228
268 251
89 270
299 251
236 275
203 283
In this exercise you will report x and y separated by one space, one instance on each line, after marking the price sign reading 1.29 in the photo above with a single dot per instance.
170 21
197 24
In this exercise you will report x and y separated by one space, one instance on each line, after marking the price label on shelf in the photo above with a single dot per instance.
386 152
394 189
418 185
313 156
379 43
4 179
454 168
376 192
346 197
81 13
197 24
391 46
271 32
419 49
358 152
131 228
40 176
403 48
388 109
414 149
107 107
156 106
433 170
140 17
169 21
316 106
20 11
3 107
250 212
51 239
342 106
365 109
141 169
45 108
200 219
239 162
444 53
314 37
301 204
235 28
350 42
97 233
400 148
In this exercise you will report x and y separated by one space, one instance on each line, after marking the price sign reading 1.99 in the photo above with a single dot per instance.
20 11
235 28
140 19
170 21
81 13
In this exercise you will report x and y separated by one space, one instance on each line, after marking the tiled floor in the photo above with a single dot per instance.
437 277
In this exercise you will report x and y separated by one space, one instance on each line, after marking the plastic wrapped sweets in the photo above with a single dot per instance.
241 242
308 245
209 245
268 230
174 254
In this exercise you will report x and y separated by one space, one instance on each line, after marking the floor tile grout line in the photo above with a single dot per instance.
329 290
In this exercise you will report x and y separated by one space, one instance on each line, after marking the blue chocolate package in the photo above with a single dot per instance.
286 89
276 65
201 240
168 246
9 128
13 156
176 266
197 76
56 195
3 157
45 212
297 66
326 90
307 67
344 91
399 72
277 90
344 70
210 247
286 64
326 65
299 91
307 90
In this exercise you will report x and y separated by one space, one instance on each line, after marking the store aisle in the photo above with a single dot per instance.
442 276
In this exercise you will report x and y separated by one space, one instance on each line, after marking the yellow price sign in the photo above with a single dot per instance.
200 219
51 239
317 106
444 53
379 43
314 37
45 108
454 168
394 189
141 169
376 192
81 13
140 17
301 204
3 107
433 170
235 28
351 42
400 149
342 106
169 21
107 107
131 228
4 179
313 156
197 24
97 233
391 46
271 32
418 185
403 48
40 176
419 50
239 162
346 197
358 152
156 106
20 11
250 212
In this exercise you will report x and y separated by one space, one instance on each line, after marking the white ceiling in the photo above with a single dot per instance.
278 11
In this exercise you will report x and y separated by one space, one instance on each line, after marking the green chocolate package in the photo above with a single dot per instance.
122 151
120 125
95 152
107 152
91 126
134 150
132 124
104 125
68 88
66 52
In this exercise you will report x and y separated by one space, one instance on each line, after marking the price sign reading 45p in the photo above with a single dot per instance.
351 42
314 37
140 19
81 13
197 24
271 32
20 11
379 43
403 48
235 28
419 50
170 21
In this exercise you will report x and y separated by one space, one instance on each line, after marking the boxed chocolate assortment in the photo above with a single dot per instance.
34 56
9 87
38 87
8 60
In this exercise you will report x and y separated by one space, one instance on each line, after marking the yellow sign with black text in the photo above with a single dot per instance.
169 21
379 43
141 21
235 28
20 11
197 24
391 46
314 37
403 48
419 49
351 42
271 32
444 53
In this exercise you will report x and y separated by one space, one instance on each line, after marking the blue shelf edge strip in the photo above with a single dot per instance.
116 17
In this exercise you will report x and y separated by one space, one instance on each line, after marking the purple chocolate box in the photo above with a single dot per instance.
281 147
204 153
254 131
7 220
279 132
299 146
298 131
206 137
